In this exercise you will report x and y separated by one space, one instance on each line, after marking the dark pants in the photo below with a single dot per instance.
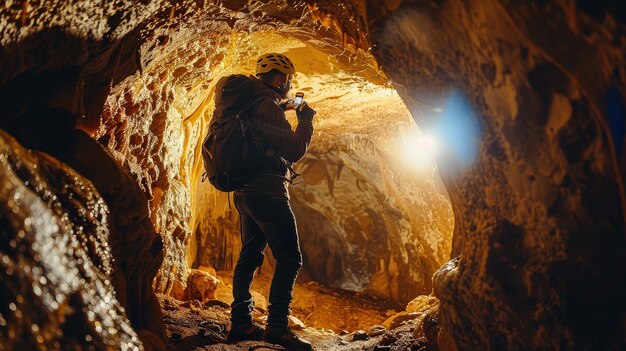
266 220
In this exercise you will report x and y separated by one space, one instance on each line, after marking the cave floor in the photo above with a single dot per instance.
330 318
319 306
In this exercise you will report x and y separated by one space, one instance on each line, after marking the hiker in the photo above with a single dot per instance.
263 205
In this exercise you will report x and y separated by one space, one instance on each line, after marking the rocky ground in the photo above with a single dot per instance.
334 320
319 306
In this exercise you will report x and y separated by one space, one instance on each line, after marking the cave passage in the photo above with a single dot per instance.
374 219
372 214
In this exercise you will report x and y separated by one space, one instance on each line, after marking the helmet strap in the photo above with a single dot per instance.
284 88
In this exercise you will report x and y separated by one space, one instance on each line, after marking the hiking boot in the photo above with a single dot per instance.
250 331
287 339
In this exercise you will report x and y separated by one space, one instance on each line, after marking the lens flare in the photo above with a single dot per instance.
457 128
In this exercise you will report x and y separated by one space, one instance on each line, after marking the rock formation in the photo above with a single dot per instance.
56 258
540 213
526 100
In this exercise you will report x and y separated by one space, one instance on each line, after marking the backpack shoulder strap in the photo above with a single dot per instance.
236 114
253 103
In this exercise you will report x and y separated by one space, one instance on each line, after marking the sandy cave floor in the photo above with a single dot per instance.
330 318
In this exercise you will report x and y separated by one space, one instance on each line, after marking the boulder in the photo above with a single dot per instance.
55 259
201 286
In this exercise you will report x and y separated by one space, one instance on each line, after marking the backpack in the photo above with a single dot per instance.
232 152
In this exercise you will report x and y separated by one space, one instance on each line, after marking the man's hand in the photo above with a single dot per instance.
286 105
305 112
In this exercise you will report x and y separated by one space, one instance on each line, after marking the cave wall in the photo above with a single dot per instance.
539 215
358 226
57 265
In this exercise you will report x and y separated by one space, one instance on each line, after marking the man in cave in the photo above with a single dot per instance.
263 205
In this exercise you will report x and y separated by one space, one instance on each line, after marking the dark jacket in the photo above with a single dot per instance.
269 122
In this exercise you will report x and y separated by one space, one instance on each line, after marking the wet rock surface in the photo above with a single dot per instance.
56 262
136 249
